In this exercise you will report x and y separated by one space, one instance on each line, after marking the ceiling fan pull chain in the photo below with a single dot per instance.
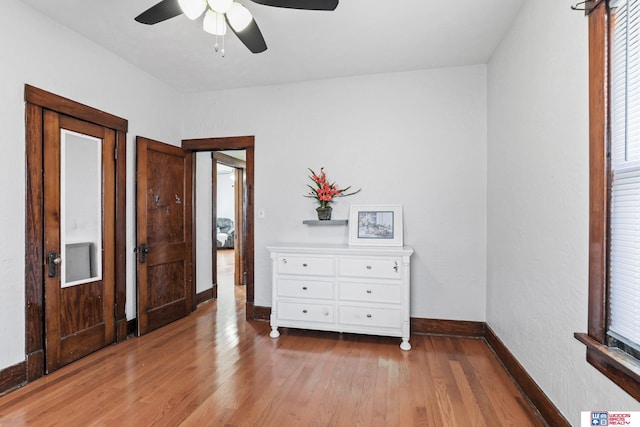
217 32
223 45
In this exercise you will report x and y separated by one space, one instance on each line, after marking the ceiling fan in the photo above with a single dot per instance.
219 13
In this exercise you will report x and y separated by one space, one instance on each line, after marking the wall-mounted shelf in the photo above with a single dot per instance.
326 222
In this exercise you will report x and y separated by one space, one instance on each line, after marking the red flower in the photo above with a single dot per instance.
324 192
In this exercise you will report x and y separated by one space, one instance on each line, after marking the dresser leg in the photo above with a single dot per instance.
405 344
275 334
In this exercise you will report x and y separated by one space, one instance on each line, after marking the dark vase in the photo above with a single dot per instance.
324 214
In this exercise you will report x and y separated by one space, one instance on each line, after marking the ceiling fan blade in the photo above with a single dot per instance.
251 37
301 4
162 11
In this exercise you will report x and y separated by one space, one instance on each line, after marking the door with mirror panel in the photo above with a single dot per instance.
79 237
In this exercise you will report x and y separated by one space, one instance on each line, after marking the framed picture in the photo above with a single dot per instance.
379 225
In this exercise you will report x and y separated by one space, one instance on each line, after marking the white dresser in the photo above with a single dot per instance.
341 288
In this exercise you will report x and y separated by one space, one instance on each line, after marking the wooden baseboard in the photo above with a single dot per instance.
458 328
204 296
132 327
261 313
13 377
548 411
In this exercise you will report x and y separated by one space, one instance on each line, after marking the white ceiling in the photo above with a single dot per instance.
359 37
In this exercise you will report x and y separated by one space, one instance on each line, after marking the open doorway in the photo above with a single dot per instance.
204 231
228 177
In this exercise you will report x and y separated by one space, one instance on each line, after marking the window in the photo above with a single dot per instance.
613 338
624 250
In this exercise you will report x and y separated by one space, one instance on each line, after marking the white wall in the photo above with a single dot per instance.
49 56
538 181
416 138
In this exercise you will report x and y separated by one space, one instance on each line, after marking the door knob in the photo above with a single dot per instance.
143 251
54 261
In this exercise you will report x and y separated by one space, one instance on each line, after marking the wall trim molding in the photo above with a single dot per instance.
132 327
458 328
204 296
537 398
261 313
13 377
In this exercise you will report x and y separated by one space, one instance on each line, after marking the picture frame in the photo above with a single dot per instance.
375 225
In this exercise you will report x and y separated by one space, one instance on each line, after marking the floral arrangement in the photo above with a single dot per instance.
323 191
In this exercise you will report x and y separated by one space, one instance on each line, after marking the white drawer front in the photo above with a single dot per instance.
374 317
305 312
368 292
305 288
313 266
387 268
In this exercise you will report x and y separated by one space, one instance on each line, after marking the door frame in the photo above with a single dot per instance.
38 100
246 143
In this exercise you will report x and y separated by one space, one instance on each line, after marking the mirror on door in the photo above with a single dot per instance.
80 208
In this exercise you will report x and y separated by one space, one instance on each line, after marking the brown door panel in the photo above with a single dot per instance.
164 199
82 343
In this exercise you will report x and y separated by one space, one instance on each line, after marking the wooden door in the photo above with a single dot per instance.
164 203
79 236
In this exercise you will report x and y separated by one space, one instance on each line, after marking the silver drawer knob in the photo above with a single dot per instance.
368 316
368 291
304 288
304 311
304 265
368 267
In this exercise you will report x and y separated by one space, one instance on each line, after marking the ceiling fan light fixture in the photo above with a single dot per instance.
239 17
220 6
192 8
214 23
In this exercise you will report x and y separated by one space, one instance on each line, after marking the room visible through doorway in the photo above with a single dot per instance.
229 170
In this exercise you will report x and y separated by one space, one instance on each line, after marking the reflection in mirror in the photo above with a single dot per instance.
80 208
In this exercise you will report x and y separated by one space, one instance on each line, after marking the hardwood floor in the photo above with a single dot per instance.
215 368
226 260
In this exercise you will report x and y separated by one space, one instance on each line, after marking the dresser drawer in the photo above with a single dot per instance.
298 288
367 292
387 268
367 316
303 311
302 265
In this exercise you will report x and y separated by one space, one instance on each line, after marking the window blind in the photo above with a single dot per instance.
624 261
